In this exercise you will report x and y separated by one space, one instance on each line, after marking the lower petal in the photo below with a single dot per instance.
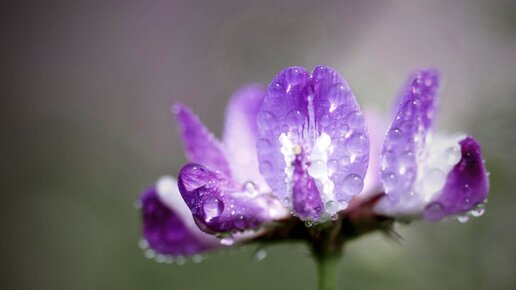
466 185
167 232
220 205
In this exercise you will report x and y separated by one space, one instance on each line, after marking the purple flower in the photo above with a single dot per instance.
300 153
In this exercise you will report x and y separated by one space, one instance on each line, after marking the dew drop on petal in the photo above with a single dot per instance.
294 76
263 144
358 144
355 119
353 184
434 211
331 207
212 208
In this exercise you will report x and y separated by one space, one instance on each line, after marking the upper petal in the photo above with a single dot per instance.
406 138
315 116
200 145
466 185
219 204
167 228
241 133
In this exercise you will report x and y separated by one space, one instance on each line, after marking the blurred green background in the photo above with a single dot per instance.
85 126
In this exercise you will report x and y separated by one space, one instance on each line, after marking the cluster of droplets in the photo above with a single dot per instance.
477 211
149 253
406 142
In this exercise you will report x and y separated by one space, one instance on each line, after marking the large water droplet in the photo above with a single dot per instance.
294 75
240 222
331 207
276 90
353 184
355 119
395 135
358 144
212 208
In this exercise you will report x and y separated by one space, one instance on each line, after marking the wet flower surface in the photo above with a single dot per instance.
295 159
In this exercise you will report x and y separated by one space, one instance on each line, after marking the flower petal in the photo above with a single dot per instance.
241 133
466 185
314 115
200 145
167 231
406 138
219 204
306 199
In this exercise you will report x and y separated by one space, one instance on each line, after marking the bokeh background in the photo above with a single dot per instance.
86 89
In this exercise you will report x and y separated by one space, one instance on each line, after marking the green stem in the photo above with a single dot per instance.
327 266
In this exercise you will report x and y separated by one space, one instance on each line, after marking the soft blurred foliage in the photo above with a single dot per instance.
85 126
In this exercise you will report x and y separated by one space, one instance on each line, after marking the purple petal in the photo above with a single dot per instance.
165 230
466 185
314 115
200 145
241 133
219 204
406 137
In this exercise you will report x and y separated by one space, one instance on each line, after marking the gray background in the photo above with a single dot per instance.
85 126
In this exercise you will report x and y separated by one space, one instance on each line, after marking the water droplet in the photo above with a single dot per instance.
390 181
452 155
212 208
358 144
324 120
333 166
295 119
342 204
317 169
250 187
407 158
319 72
276 89
331 207
309 223
260 255
294 75
240 222
180 260
463 218
143 244
434 211
149 254
197 258
478 212
266 120
161 258
395 135
337 95
353 184
227 241
355 119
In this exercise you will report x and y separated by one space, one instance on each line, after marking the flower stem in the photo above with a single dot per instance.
327 266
